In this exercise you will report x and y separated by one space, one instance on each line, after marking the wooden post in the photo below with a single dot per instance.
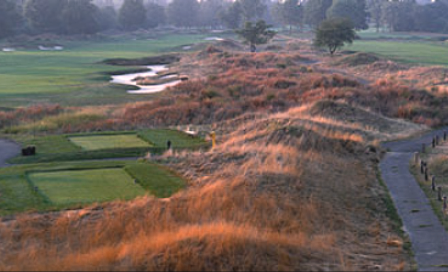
423 148
433 142
416 157
426 173
437 140
445 207
213 135
422 167
444 135
433 183
439 189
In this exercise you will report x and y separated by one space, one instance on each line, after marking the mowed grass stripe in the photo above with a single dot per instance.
86 186
91 143
159 181
410 52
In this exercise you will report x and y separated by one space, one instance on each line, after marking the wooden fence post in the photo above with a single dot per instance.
433 183
439 189
416 157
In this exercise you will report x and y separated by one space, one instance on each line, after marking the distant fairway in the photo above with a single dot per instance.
91 143
74 76
74 187
418 52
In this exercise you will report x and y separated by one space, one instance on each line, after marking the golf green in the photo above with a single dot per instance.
101 142
86 186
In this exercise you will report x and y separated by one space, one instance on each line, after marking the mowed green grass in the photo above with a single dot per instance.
88 186
66 185
61 148
109 142
75 76
417 52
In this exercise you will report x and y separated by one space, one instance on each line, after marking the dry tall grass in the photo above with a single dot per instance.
277 194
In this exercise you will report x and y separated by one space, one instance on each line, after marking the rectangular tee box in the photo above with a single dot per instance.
100 142
86 186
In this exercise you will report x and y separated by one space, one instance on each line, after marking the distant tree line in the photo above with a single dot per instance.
69 17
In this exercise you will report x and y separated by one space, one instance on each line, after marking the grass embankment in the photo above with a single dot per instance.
93 146
75 76
74 184
438 166
416 52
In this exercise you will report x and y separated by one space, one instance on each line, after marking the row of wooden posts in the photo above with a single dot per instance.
424 170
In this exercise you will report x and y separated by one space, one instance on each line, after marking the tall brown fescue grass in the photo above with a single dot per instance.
275 195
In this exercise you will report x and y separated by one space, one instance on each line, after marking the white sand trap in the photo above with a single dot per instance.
214 39
129 79
8 49
51 48
187 47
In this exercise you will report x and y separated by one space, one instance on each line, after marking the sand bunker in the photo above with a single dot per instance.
129 79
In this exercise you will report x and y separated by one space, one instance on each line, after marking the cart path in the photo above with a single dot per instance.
429 238
8 150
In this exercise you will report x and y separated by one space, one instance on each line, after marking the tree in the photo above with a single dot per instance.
183 13
255 34
132 14
9 18
399 15
288 13
45 15
155 15
231 16
375 8
209 12
80 17
334 34
107 18
316 11
252 9
355 10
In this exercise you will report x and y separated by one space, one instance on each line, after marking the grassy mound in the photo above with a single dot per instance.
156 60
370 124
358 59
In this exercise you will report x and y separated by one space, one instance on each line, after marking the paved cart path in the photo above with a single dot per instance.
429 238
8 150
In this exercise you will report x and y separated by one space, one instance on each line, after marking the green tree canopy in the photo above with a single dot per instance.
334 34
183 13
9 18
316 11
132 14
231 16
289 13
107 18
155 15
355 10
45 15
255 34
80 17
252 9
209 13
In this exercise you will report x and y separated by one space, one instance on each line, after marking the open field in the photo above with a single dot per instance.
99 142
415 52
104 145
32 76
70 185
